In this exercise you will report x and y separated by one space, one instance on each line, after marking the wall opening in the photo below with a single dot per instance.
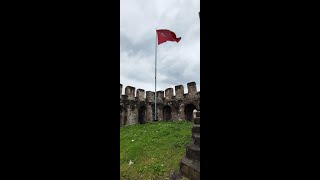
142 115
153 114
125 118
121 121
188 111
167 113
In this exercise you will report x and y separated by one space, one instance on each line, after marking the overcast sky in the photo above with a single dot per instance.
177 63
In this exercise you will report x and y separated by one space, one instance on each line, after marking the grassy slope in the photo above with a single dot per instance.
155 149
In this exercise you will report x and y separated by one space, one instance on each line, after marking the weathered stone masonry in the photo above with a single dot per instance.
140 108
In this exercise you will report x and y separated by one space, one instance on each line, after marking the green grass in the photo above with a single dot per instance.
155 148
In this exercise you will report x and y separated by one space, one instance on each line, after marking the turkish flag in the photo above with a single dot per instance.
166 35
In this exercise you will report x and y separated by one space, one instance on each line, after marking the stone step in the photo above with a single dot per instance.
196 120
198 114
176 176
190 168
196 128
196 138
193 152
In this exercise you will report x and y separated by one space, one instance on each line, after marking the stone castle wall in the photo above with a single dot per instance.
137 106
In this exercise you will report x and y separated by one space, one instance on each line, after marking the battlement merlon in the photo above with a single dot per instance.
169 93
179 89
192 88
130 92
149 96
140 94
160 94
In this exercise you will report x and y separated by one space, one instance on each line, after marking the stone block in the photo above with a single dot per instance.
190 169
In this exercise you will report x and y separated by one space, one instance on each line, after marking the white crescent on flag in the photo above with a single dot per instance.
165 35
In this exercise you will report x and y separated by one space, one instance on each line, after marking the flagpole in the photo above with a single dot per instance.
155 79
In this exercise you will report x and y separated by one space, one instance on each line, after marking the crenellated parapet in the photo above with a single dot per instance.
137 105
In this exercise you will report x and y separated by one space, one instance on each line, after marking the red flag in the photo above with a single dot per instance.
166 35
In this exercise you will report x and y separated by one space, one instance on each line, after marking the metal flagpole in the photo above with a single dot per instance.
155 80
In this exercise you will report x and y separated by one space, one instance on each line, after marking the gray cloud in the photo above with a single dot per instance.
177 63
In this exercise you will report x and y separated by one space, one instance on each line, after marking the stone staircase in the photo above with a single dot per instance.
190 164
